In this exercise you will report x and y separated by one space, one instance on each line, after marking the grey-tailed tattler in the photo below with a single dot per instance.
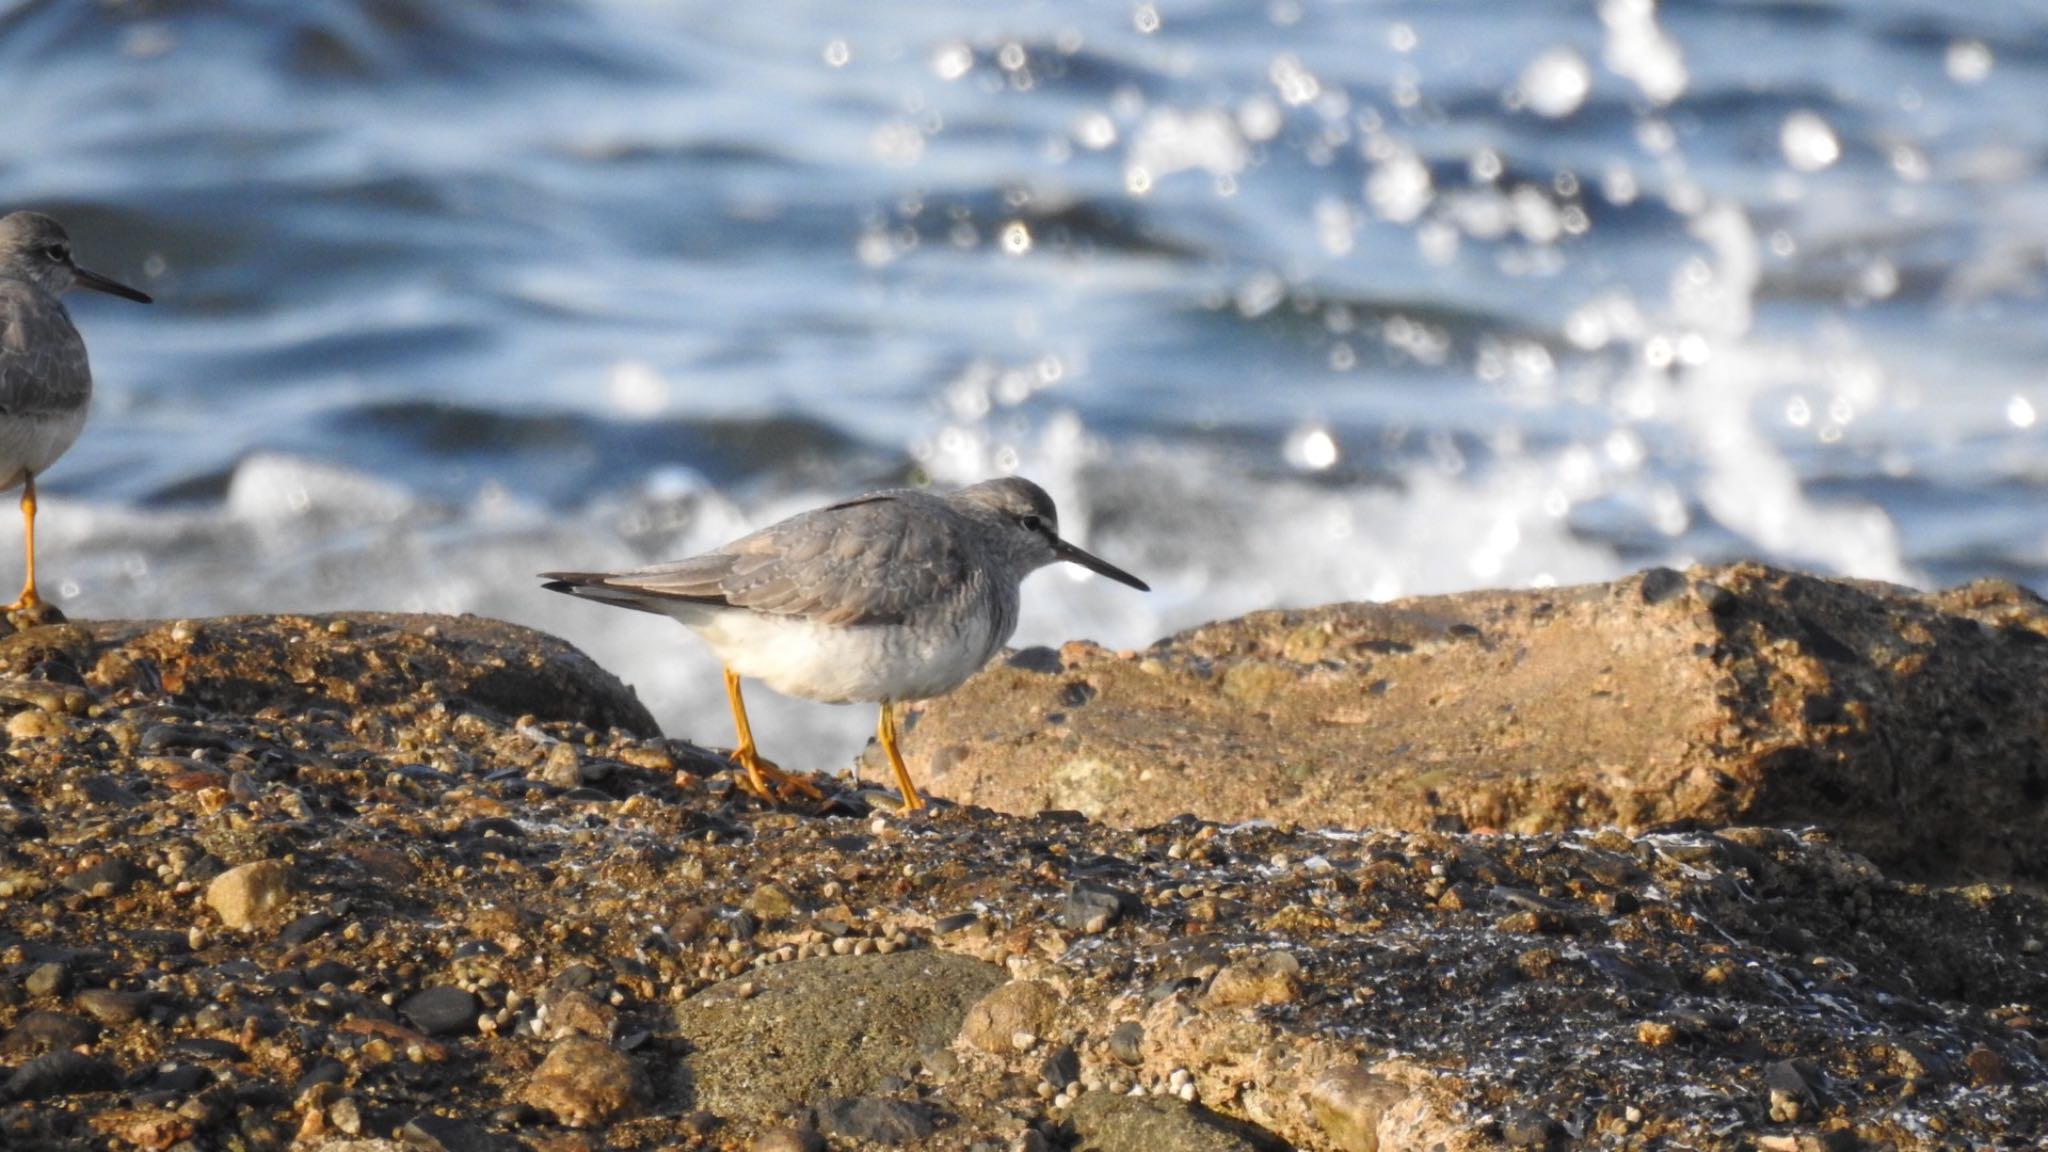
893 596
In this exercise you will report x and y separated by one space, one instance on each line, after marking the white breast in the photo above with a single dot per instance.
840 665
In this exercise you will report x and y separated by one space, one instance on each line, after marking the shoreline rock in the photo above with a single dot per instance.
497 923
1913 726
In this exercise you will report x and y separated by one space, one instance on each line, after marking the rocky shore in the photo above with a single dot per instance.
1728 859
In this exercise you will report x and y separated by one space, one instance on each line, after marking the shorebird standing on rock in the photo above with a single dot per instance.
893 596
45 383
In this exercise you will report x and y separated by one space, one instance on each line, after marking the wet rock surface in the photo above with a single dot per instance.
522 929
1913 726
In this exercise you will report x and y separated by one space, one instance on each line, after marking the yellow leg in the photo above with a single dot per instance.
30 598
763 778
885 732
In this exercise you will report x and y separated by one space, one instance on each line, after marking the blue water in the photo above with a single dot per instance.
1286 302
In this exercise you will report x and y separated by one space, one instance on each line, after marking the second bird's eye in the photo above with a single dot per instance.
58 252
1032 523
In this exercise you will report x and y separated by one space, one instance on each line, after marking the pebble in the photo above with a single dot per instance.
60 1073
49 979
431 1133
1010 1018
246 895
877 1120
110 1007
586 1083
1092 908
1127 1043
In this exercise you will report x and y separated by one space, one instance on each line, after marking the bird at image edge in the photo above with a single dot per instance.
889 597
45 382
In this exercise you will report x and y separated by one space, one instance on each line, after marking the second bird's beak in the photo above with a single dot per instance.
1096 564
99 283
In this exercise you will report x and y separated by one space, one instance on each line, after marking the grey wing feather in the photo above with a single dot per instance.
869 561
43 368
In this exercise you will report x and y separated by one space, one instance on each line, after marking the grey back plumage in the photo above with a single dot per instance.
879 559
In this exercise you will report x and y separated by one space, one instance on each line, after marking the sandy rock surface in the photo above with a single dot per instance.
510 917
1913 726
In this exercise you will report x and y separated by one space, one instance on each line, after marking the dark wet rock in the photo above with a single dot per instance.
109 877
38 1032
1107 1123
1911 725
59 1073
440 1011
817 1029
876 1120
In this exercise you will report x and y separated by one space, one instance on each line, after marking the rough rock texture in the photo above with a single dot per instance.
832 1026
245 664
610 895
1913 726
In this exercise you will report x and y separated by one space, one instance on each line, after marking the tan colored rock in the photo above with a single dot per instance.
249 894
585 1083
1021 1008
1911 725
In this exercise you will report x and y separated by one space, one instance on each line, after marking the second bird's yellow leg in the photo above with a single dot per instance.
763 778
885 733
30 598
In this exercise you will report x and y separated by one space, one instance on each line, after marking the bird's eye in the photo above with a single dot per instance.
58 252
1032 523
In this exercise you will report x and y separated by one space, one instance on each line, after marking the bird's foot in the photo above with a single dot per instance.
760 778
31 611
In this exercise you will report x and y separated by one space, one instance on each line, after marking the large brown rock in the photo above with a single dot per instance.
1911 725
345 661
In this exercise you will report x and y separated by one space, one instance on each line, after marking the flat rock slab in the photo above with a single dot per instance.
802 1033
1912 726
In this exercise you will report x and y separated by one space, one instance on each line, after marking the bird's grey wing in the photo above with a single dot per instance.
869 561
43 368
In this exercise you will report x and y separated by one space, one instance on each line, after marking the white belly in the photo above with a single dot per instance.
840 665
30 444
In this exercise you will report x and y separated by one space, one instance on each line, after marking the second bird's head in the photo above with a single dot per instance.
1031 527
35 248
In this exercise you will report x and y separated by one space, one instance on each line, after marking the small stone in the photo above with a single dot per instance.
1018 1008
431 1133
1127 1043
585 1083
877 1120
441 1011
1655 1033
1093 908
789 1140
1062 1067
49 979
109 877
1528 1130
110 1007
770 902
246 895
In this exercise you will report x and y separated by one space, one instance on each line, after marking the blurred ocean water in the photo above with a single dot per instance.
1286 302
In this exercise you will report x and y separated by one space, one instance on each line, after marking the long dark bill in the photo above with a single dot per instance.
99 283
1096 564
